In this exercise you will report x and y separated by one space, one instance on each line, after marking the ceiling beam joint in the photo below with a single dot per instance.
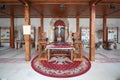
25 2
95 2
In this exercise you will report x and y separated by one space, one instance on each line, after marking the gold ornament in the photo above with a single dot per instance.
66 27
53 27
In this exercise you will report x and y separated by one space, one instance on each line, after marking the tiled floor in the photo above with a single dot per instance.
14 67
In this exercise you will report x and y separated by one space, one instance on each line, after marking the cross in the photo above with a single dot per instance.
59 27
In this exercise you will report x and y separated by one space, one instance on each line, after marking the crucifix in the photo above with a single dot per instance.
59 27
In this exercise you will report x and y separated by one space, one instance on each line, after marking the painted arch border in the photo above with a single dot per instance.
65 20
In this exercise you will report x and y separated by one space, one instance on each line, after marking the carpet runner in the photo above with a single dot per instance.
61 67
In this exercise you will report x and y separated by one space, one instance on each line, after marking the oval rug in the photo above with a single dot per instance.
61 67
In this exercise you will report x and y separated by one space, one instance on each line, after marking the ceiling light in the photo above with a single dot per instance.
2 7
112 6
62 6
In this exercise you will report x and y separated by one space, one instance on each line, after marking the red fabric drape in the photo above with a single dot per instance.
59 23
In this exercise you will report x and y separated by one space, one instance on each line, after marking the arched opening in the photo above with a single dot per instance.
59 30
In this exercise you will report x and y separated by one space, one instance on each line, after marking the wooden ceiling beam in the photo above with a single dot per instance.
118 10
108 14
51 7
36 10
95 2
44 1
29 3
104 9
83 10
8 1
111 1
24 2
59 1
4 13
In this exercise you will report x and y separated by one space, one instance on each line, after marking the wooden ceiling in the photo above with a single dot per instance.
60 8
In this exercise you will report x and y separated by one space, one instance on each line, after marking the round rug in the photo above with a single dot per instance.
61 67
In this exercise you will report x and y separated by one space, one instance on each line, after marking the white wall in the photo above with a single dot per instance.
113 22
33 21
4 22
47 26
72 24
18 23
84 22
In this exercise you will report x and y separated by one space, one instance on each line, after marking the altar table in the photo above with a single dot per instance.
59 47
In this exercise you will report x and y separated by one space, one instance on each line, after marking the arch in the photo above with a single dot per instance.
65 20
59 30
60 25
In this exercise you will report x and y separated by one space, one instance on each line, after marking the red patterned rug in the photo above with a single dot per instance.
61 67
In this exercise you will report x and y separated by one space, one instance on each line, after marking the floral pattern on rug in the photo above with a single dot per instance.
61 68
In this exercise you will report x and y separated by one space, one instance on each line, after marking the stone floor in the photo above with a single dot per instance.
14 67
